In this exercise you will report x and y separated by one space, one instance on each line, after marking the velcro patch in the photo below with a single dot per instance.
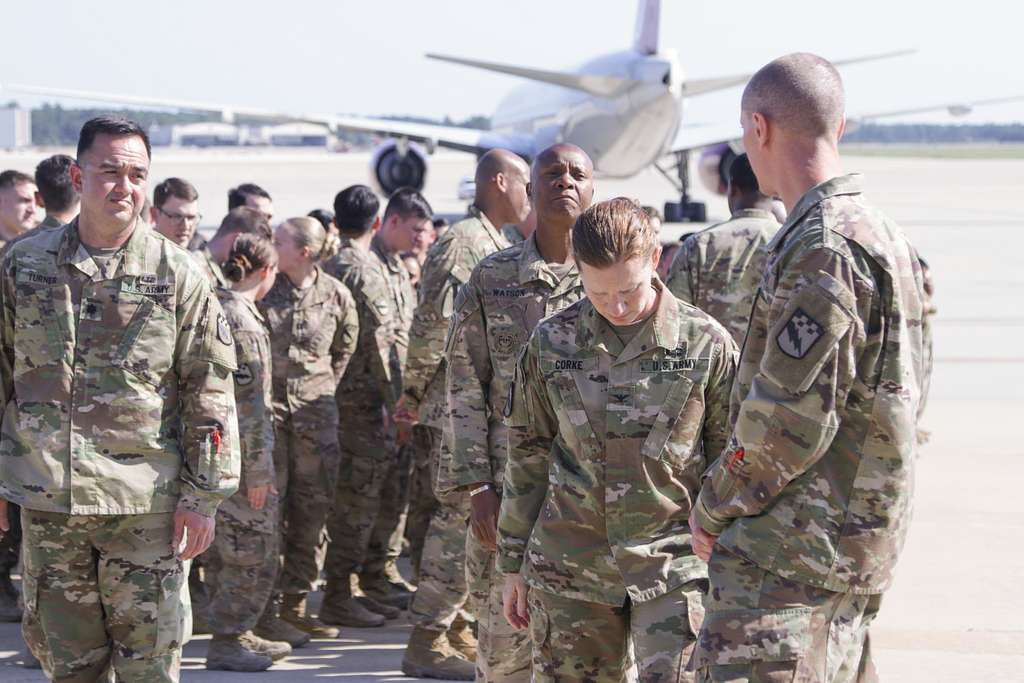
569 364
799 334
243 375
668 364
147 285
508 293
33 278
224 330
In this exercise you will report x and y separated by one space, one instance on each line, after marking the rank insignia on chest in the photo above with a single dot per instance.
224 330
799 335
505 342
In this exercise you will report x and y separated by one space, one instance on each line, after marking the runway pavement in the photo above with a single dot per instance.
956 611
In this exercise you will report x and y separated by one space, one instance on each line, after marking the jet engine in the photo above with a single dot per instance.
398 163
713 167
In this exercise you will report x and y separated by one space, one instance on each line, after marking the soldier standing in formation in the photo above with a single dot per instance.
804 515
56 193
719 269
314 328
442 644
619 403
119 437
508 293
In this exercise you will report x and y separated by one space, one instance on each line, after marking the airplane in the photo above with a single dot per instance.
625 109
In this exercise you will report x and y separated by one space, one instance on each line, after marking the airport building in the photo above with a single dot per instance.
15 128
218 134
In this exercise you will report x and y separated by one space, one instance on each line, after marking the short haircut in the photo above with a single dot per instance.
53 178
355 210
741 175
407 202
174 187
245 220
653 212
613 231
324 216
237 195
115 126
800 92
12 178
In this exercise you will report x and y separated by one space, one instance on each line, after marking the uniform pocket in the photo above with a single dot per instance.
669 440
170 616
147 347
755 645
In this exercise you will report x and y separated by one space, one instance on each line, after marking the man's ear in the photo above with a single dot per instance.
39 200
501 182
842 129
376 224
762 131
76 177
529 191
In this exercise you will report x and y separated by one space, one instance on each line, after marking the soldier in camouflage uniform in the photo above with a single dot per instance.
241 220
57 195
618 402
501 180
369 505
242 562
808 507
119 438
718 269
314 328
507 295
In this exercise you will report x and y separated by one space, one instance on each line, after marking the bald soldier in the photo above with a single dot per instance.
719 269
507 295
804 515
501 180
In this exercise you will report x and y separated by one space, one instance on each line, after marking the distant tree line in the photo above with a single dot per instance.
52 124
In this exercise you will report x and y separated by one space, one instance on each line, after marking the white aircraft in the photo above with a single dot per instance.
625 109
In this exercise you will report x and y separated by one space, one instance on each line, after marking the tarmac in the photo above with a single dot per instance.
956 611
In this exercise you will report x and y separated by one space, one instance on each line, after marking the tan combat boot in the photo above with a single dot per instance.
340 608
271 627
462 637
275 649
428 655
293 611
229 653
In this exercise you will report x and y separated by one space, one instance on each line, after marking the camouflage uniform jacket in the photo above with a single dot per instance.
816 484
511 233
313 335
117 393
374 376
719 269
50 222
508 293
449 264
254 403
210 267
607 445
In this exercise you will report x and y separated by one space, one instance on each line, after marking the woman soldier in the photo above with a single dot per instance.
618 402
242 562
314 328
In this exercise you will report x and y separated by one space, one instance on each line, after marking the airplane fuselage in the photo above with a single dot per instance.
623 133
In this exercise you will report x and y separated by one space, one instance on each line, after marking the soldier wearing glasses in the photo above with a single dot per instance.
175 213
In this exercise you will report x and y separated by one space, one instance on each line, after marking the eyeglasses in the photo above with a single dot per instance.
180 218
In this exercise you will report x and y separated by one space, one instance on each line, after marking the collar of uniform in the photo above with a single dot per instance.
492 232
73 252
317 292
390 260
840 185
215 268
661 329
50 222
532 265
753 213
245 301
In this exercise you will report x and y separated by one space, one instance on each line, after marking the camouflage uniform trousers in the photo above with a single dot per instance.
306 458
242 563
503 653
365 527
576 640
761 627
441 592
423 504
103 592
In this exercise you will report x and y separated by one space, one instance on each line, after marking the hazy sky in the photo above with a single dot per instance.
366 57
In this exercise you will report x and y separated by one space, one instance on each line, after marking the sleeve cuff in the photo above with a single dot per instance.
508 562
708 522
199 504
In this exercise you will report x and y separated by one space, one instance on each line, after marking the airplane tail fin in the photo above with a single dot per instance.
648 23
601 86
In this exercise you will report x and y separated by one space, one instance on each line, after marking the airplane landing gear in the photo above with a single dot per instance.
683 211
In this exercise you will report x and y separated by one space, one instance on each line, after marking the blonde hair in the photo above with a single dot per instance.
613 231
309 232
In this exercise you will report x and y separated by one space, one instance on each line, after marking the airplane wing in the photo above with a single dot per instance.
452 137
697 136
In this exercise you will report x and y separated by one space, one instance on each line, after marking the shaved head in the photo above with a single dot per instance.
561 151
561 185
800 93
499 161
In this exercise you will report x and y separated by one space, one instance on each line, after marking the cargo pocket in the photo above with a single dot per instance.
360 472
247 547
170 615
540 624
755 645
